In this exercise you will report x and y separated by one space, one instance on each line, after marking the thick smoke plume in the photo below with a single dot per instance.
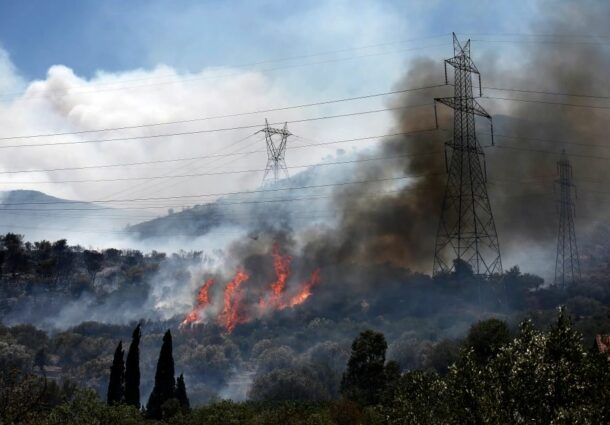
399 227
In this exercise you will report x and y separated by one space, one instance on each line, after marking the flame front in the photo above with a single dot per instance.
305 291
203 300
230 315
281 264
234 308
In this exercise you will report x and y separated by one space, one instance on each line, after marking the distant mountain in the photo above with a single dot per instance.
35 198
41 216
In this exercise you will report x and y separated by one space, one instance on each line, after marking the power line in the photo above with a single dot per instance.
181 167
218 173
398 134
545 151
292 147
514 34
539 139
215 194
288 58
123 87
547 102
223 204
545 92
225 212
260 111
305 105
188 80
161 161
542 41
244 127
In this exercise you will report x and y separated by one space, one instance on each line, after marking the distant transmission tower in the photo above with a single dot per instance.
276 152
567 264
466 230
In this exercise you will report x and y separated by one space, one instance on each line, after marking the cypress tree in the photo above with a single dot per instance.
181 394
165 382
117 377
132 370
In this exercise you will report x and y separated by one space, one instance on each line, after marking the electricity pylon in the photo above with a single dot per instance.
276 163
567 264
466 231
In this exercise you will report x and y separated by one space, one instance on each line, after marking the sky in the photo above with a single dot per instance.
113 36
69 66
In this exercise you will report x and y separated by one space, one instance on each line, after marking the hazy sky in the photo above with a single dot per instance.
74 65
114 35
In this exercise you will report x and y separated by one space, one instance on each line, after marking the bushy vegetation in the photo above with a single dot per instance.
294 366
536 376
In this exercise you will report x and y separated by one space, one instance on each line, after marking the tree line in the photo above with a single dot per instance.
533 376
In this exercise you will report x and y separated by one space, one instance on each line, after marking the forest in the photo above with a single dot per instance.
451 349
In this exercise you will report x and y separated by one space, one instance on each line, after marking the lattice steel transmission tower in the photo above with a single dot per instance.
567 264
466 230
276 152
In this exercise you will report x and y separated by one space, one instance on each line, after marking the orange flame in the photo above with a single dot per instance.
230 315
305 291
281 264
235 312
203 300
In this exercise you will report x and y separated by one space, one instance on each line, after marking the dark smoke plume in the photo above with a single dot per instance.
399 227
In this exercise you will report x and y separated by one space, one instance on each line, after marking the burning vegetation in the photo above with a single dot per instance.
237 306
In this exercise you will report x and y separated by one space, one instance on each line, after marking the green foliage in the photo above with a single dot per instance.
21 396
539 377
288 384
486 337
418 397
364 379
86 408
442 355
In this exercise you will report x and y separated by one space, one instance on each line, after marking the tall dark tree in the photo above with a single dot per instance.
181 394
132 370
165 382
116 387
364 379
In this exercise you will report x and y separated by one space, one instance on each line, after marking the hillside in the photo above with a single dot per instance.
41 216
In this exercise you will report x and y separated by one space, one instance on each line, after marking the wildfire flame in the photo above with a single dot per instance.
235 311
230 315
203 300
305 292
281 264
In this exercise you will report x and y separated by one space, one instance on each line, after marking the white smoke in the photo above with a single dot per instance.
66 103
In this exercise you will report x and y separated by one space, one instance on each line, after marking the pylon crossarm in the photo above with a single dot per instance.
465 64
457 104
271 130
